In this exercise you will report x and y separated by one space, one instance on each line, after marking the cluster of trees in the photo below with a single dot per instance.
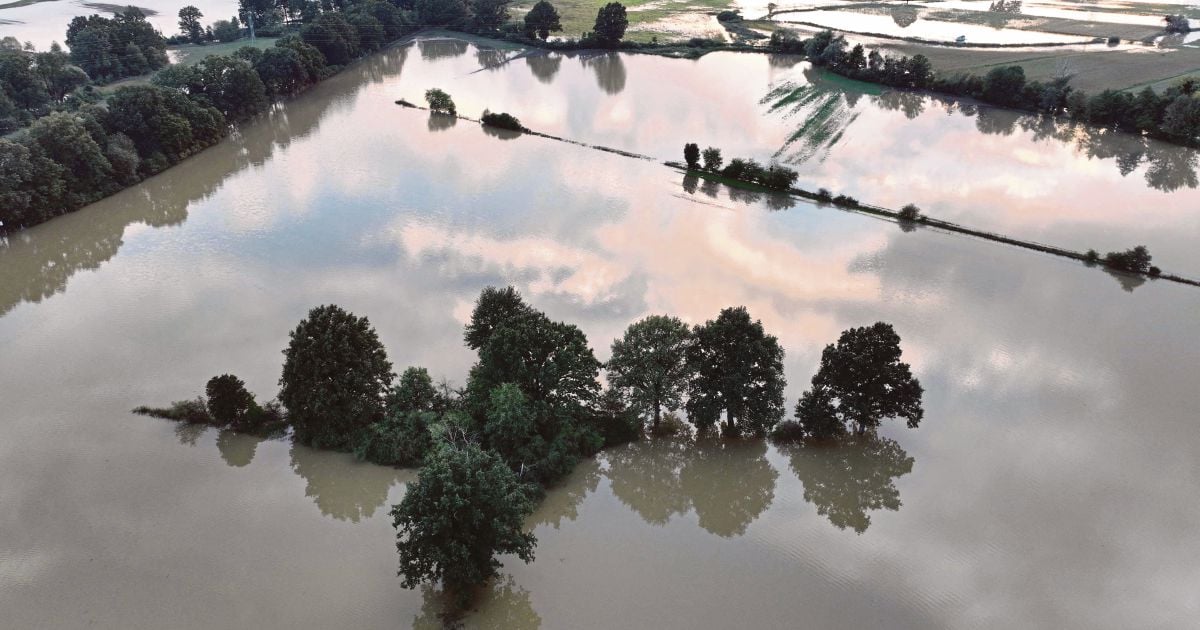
32 84
502 120
75 151
775 176
830 51
533 406
226 404
1136 260
111 48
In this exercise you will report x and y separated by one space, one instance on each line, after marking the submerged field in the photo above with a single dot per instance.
1042 489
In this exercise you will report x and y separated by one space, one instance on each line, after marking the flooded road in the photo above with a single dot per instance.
1047 487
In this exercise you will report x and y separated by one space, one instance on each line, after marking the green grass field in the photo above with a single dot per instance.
647 18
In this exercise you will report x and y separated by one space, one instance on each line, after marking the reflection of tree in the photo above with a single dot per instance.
563 499
851 477
645 477
993 120
341 487
610 71
490 58
729 482
1128 281
502 605
691 182
441 122
544 66
237 449
904 15
498 132
784 61
911 103
824 111
188 433
1171 167
433 49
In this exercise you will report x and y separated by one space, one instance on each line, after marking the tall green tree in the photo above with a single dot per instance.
67 139
542 19
332 35
738 371
861 381
189 24
335 376
691 155
649 365
611 23
465 508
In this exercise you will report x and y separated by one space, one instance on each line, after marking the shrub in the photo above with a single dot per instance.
190 411
910 212
729 16
501 121
1114 40
845 201
824 196
712 159
779 177
403 438
691 154
226 31
1091 257
440 102
1155 271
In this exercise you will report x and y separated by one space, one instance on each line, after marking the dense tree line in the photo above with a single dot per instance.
1173 115
76 151
111 48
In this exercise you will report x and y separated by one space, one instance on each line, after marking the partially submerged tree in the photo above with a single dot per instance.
861 381
738 371
691 155
228 400
542 19
649 364
465 508
440 102
712 159
1136 260
335 375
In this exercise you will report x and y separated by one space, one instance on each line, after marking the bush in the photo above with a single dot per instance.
729 16
190 411
1114 40
845 201
501 121
440 102
691 154
1155 271
824 196
226 31
403 438
1091 257
910 212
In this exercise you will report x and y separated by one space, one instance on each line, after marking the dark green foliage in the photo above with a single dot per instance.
414 391
1136 260
190 411
738 371
542 20
67 140
555 371
501 121
729 16
109 49
228 400
488 15
816 416
860 382
845 201
465 508
1004 85
32 186
649 365
226 31
910 212
442 12
231 85
440 102
189 24
370 31
331 34
712 159
165 125
691 155
334 378
611 23
394 21
402 438
1091 257
615 421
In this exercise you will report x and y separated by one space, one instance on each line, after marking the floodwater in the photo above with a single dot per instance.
905 22
46 22
1049 485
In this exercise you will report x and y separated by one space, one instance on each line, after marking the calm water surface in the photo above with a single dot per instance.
1049 486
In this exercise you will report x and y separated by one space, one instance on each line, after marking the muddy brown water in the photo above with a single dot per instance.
1048 486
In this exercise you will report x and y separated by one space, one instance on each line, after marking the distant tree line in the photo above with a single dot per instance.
76 151
533 407
774 176
1173 115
